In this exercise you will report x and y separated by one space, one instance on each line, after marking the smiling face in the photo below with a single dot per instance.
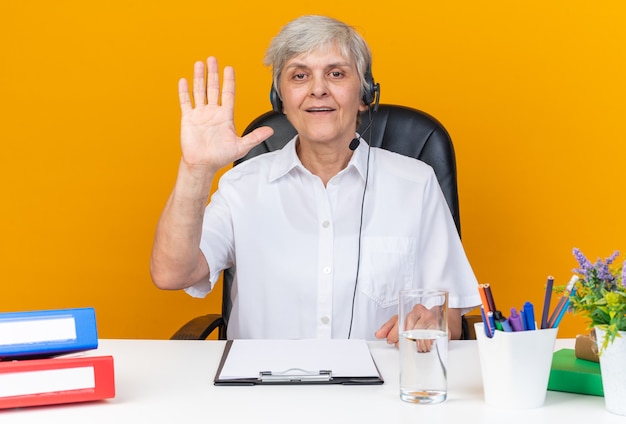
321 94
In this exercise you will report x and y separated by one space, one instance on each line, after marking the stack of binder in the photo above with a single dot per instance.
36 362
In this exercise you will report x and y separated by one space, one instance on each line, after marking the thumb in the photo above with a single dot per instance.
257 136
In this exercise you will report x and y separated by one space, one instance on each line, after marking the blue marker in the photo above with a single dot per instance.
529 316
488 331
506 326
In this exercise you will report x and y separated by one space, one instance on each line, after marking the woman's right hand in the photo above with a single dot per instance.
208 136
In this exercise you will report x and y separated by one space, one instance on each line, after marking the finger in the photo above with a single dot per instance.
381 333
183 95
228 88
257 136
386 328
424 345
213 81
199 90
389 331
417 318
392 337
410 321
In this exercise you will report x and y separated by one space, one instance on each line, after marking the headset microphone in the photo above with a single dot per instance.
355 141
354 144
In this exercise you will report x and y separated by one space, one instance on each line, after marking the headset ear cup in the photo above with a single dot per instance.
372 93
277 104
368 95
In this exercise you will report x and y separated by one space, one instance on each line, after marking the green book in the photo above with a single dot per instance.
570 374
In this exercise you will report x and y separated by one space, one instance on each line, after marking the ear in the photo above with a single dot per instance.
363 107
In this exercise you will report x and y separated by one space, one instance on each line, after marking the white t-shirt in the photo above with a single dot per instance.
295 244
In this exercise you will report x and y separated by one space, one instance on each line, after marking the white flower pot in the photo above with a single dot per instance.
613 368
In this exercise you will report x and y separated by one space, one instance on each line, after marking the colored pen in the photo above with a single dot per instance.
486 326
529 316
498 325
515 320
546 302
492 322
483 297
562 300
502 323
558 319
490 300
489 329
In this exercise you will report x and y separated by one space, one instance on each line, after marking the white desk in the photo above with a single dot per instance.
172 382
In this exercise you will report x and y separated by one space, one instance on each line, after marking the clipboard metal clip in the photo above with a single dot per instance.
295 375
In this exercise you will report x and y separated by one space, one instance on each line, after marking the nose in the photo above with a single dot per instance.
319 88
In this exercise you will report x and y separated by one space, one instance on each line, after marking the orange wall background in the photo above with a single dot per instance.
532 94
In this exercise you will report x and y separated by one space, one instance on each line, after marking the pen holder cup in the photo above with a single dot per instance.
515 366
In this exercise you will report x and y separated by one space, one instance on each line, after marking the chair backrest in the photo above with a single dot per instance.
399 129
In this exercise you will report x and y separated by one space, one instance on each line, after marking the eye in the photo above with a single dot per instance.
336 74
299 77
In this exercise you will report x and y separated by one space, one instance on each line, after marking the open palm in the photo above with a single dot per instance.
208 135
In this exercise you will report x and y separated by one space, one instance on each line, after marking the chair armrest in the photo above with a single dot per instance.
468 326
200 328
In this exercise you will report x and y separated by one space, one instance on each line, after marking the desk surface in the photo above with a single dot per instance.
172 381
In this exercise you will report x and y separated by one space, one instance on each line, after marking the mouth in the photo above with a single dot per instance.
319 109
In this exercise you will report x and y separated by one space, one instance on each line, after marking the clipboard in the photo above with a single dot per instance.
297 362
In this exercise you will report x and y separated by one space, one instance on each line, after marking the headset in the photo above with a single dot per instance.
371 94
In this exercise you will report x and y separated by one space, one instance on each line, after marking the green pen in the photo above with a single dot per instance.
500 321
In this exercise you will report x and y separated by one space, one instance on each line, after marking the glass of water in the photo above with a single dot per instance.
423 340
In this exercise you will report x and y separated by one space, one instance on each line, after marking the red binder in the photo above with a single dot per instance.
56 380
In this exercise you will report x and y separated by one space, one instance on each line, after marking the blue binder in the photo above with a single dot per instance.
41 334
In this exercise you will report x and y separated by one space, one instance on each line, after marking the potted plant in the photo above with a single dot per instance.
600 296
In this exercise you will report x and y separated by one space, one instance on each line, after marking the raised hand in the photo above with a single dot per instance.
209 142
208 136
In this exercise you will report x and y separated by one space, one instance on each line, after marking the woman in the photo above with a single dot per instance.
324 232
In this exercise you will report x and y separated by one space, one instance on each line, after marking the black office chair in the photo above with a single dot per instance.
396 128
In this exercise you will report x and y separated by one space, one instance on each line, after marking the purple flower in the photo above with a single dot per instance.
604 273
599 271
611 258
584 263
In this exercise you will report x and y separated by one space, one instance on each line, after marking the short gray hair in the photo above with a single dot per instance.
311 32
